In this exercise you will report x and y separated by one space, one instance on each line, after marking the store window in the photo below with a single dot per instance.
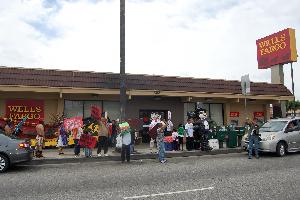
79 108
73 108
112 108
216 113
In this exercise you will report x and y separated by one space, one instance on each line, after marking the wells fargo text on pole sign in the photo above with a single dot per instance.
278 48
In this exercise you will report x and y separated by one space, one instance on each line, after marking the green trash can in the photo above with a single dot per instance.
212 135
221 137
240 133
232 139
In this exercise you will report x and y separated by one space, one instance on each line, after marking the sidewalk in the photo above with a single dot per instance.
142 152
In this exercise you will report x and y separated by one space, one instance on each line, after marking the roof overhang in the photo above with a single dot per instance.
133 92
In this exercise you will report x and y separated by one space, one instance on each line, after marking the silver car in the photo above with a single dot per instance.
279 136
13 151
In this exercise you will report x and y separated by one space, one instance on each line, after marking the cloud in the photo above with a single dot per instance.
195 38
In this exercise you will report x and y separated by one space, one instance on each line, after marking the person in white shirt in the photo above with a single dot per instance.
175 139
189 128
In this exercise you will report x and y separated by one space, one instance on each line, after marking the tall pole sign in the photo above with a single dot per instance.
123 98
274 51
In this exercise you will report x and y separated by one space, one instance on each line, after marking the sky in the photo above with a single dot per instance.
213 39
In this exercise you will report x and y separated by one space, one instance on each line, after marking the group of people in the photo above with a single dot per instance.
178 135
107 134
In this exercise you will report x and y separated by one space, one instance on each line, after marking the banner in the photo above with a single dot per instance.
16 110
278 48
88 141
74 122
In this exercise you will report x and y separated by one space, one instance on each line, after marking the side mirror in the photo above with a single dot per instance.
287 130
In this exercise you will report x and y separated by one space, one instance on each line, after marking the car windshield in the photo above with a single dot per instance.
273 126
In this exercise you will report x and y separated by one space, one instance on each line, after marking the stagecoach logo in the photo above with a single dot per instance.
16 110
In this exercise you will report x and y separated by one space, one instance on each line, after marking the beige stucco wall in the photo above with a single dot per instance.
55 105
251 108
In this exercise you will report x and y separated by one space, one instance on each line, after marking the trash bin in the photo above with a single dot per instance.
232 139
220 135
240 134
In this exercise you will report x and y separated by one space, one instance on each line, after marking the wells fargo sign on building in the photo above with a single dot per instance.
18 109
278 48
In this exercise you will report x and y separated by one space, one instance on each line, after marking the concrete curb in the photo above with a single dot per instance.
44 161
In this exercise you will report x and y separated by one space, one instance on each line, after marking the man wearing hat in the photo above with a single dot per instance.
126 141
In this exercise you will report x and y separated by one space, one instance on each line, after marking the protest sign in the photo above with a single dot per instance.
74 122
87 141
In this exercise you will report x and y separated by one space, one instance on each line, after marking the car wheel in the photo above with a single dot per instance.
281 149
3 163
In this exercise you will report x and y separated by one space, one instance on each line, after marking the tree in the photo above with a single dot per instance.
293 105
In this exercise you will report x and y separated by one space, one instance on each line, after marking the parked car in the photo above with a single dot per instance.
279 136
13 151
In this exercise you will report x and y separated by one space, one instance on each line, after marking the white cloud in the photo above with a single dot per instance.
198 38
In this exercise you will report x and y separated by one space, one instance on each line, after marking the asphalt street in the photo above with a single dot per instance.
230 176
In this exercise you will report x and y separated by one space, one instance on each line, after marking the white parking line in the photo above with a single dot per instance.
168 193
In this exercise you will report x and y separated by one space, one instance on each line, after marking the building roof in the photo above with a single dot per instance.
78 79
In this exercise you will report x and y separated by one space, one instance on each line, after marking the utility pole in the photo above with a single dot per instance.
122 61
293 88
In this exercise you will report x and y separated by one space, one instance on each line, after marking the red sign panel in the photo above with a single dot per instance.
278 48
16 110
234 114
258 114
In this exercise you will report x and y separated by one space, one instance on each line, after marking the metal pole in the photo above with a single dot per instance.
245 107
293 88
122 62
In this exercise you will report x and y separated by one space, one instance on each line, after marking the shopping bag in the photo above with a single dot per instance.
119 141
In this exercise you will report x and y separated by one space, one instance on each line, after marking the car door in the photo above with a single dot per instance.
297 139
3 142
292 136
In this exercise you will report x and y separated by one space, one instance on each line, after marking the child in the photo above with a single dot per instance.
62 140
175 139
180 132
84 142
76 133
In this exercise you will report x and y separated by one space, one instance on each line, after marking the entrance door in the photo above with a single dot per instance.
146 116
